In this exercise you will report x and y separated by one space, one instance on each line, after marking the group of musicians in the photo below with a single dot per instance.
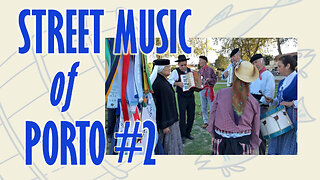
234 120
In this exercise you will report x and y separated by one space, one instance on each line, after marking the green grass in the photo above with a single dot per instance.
202 139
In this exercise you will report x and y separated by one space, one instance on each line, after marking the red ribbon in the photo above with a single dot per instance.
211 92
125 69
261 71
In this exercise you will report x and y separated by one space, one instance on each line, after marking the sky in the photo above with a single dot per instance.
212 55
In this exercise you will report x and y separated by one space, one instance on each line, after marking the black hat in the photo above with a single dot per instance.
234 52
182 58
204 57
255 57
161 62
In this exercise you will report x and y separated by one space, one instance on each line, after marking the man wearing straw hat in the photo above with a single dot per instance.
263 86
234 121
186 101
228 73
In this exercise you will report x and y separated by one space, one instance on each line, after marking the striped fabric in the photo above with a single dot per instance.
112 64
111 77
247 149
138 76
229 134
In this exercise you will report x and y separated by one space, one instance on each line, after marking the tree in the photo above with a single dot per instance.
279 42
282 41
248 46
267 59
200 46
221 63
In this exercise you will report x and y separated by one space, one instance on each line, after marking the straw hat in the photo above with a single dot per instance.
246 72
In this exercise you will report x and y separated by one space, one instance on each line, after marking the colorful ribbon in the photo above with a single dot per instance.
125 69
111 77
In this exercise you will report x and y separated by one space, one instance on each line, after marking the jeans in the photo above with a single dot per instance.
204 102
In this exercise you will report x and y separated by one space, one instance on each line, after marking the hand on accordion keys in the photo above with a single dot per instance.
225 74
192 81
180 84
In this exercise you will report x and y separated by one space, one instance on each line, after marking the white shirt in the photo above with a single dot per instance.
230 66
266 85
174 76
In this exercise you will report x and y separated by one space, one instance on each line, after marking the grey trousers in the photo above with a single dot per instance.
205 101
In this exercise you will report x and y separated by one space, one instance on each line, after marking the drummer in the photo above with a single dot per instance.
286 144
265 84
234 122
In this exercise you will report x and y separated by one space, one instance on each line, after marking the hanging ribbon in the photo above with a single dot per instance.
207 87
148 77
107 57
132 95
147 87
138 76
125 69
111 77
112 64
144 76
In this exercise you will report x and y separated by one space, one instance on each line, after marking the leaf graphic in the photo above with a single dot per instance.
304 115
223 14
237 168
305 57
202 163
287 2
226 172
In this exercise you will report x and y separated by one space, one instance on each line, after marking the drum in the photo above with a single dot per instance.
275 123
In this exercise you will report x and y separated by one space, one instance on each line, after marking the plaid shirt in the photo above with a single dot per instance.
208 73
222 117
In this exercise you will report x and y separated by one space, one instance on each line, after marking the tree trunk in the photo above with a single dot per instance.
257 47
279 46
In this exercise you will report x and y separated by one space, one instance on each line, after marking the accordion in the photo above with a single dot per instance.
230 76
192 81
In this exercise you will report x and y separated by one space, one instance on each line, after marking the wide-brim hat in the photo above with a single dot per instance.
182 58
246 72
204 58
161 62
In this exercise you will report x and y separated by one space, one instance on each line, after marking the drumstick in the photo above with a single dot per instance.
263 94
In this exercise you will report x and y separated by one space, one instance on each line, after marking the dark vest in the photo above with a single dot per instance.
179 89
